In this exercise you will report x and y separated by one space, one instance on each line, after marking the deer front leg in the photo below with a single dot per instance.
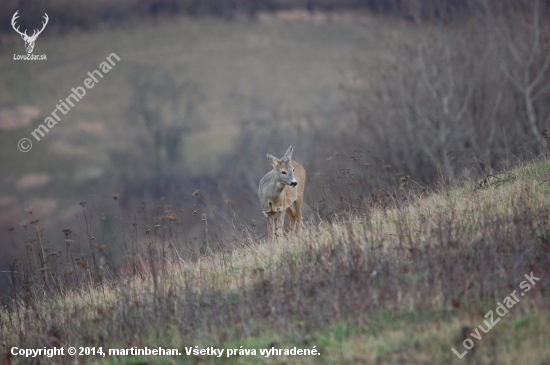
292 215
279 219
270 227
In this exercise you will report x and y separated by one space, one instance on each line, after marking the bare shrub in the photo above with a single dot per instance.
471 93
163 110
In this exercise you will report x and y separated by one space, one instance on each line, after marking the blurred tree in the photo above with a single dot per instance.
524 58
164 108
471 91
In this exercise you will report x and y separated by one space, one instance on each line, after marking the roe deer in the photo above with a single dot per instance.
282 190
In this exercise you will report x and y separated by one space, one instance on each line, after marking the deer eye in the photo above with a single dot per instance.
284 172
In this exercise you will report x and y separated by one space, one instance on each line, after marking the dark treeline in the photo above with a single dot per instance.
83 14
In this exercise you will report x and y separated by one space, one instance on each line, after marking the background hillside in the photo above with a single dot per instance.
375 97
264 72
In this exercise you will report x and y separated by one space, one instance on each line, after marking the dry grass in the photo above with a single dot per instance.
396 286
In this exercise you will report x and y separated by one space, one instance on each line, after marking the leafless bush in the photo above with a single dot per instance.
163 110
472 93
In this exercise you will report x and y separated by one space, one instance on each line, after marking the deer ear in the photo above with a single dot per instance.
289 152
274 161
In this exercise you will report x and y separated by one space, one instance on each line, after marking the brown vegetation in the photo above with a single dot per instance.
433 263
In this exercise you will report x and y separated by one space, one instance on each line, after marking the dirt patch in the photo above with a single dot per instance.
305 16
31 181
18 117
88 173
91 127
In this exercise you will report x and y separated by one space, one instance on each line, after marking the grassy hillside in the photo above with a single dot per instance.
394 283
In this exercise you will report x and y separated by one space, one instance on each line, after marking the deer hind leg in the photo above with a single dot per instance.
298 205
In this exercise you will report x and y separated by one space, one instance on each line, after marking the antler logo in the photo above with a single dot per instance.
29 40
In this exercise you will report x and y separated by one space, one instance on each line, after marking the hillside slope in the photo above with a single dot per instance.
392 285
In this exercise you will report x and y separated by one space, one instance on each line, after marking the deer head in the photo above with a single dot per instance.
29 40
284 171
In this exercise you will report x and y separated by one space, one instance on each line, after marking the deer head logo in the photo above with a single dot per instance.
29 40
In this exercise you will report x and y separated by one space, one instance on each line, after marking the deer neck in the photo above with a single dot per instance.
277 187
274 188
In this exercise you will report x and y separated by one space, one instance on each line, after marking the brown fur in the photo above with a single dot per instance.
277 196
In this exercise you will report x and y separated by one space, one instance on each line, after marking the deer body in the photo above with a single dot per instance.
282 191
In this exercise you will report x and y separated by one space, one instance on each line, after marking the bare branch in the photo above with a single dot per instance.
507 42
540 75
